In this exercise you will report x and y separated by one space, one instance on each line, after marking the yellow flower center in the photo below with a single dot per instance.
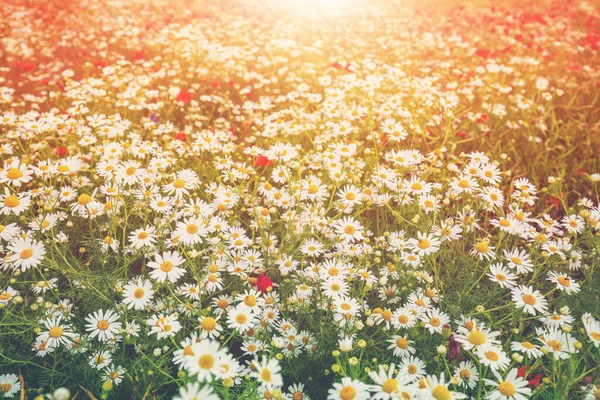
25 254
14 173
482 247
265 375
477 338
139 293
529 299
241 319
347 393
349 229
441 392
56 332
507 389
166 266
491 355
206 361
402 343
390 385
209 323
11 201
84 199
179 184
423 244
250 300
103 325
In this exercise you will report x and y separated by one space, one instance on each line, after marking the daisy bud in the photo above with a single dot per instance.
370 321
567 329
546 380
441 349
518 358
578 345
336 368
516 331
18 299
34 307
69 224
157 352
358 325
454 380
62 393
279 356
545 350
335 353
353 361
361 344
480 309
564 310
228 382
107 386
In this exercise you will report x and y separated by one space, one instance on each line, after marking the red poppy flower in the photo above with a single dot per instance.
181 136
262 161
264 283
184 96
60 151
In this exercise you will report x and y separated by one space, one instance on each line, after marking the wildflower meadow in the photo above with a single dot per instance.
299 199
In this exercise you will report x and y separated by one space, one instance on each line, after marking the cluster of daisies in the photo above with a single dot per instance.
190 215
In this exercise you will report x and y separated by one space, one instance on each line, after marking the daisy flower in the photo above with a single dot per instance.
477 337
592 328
209 327
560 344
425 244
349 230
164 326
467 374
193 391
204 359
56 334
502 276
510 388
25 253
15 174
9 385
103 324
165 267
563 282
267 372
114 374
519 260
348 389
483 251
527 348
493 357
241 318
532 301
296 392
437 388
138 294
142 237
387 386
413 367
435 320
13 203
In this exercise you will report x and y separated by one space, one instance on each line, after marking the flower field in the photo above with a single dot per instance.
285 199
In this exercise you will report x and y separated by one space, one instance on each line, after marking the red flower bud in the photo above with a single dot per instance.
262 161
60 151
264 283
181 136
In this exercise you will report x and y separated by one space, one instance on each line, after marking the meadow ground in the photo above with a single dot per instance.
288 199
